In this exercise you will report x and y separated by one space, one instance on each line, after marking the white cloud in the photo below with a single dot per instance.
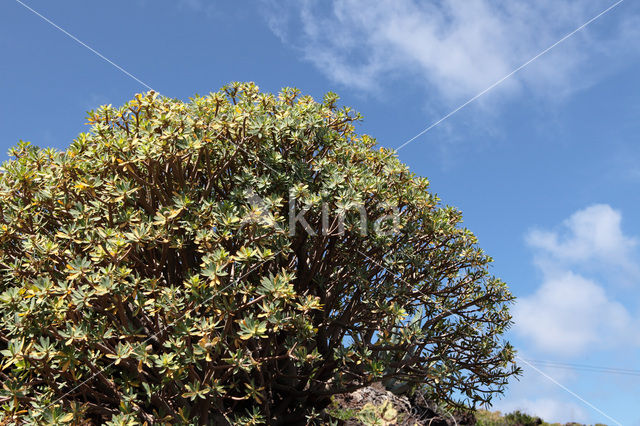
455 47
590 239
536 395
569 314
591 234
548 409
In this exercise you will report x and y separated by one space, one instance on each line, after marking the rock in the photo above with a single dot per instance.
376 405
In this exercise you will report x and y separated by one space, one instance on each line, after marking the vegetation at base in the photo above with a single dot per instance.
139 282
386 414
516 418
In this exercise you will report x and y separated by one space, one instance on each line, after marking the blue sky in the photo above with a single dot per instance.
545 166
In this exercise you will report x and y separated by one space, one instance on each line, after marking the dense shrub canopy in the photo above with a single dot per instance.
173 265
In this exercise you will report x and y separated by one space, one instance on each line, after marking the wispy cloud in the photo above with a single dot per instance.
455 48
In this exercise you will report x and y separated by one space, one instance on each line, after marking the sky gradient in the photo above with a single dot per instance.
545 166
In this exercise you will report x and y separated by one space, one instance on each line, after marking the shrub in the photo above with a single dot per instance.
489 418
149 272
518 418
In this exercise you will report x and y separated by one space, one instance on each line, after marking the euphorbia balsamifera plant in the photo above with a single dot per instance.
237 258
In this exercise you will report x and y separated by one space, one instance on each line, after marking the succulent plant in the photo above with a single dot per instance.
153 271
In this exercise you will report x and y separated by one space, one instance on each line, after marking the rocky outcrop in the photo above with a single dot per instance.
376 405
